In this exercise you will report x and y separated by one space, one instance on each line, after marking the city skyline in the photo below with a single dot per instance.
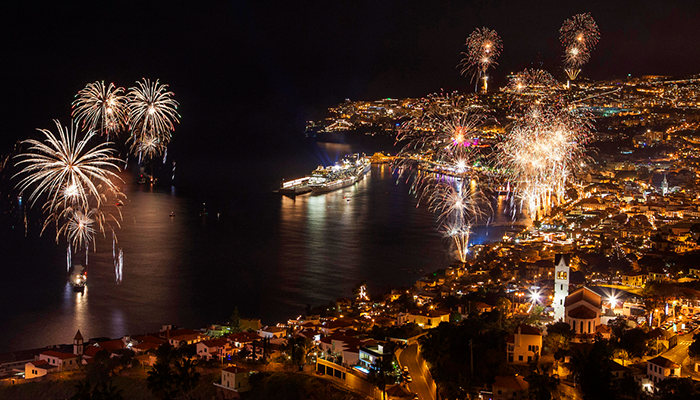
231 62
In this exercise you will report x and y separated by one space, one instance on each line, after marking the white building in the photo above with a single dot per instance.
583 309
561 284
660 368
234 380
271 332
370 354
63 361
524 345
37 369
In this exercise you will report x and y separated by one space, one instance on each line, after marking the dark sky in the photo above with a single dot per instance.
242 67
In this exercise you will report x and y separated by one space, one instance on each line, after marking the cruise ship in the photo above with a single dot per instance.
344 173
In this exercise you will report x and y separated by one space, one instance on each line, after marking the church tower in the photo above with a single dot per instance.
664 186
561 284
78 344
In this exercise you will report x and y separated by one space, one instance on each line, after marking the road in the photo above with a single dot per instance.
679 353
409 357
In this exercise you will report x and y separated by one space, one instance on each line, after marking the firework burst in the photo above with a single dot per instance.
542 151
579 36
532 84
101 108
152 113
458 208
483 48
66 169
80 226
441 148
444 137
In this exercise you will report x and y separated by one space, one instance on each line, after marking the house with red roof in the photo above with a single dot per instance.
508 387
242 339
62 361
217 349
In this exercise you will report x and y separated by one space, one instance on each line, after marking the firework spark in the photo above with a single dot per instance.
152 113
65 169
439 155
149 147
458 208
101 108
533 84
542 151
579 36
79 228
483 48
444 137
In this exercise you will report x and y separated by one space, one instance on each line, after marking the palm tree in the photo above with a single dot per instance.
186 375
84 391
161 381
104 392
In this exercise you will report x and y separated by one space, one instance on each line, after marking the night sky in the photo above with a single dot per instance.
242 68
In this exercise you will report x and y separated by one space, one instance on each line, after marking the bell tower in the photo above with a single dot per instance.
561 284
78 344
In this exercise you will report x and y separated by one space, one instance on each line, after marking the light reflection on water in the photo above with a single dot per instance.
268 255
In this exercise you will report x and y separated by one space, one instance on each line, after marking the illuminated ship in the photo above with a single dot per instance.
344 173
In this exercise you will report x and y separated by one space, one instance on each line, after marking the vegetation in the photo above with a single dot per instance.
449 348
173 374
294 386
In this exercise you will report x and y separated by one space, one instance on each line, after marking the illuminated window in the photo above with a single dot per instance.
561 275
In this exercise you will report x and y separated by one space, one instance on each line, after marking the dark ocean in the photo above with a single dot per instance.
232 242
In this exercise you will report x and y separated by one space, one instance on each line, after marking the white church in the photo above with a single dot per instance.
581 309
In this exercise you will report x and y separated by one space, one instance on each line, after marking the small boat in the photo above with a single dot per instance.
78 278
172 214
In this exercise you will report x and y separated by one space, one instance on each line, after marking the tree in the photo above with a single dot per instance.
186 375
503 305
244 352
107 392
235 321
102 368
83 391
541 385
618 326
694 348
559 335
380 370
590 365
678 389
101 391
161 381
297 348
634 341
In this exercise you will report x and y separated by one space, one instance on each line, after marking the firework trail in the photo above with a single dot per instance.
579 36
152 114
69 258
439 154
119 266
458 209
101 108
483 48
